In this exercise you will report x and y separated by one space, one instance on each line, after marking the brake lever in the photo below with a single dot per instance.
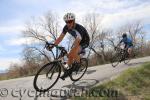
45 45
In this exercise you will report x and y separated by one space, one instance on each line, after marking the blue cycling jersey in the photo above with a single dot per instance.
127 41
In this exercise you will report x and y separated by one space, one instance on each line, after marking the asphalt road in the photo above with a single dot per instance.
22 88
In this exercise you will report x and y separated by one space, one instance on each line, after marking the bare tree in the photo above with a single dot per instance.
111 38
39 31
43 28
92 22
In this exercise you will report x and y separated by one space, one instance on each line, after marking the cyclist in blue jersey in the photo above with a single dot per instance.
128 43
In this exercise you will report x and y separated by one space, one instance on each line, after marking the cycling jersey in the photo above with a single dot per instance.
127 42
78 31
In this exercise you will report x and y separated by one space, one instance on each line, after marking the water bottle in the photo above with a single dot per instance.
65 59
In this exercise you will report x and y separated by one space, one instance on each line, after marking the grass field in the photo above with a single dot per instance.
132 84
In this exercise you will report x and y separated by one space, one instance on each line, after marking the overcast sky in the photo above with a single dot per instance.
14 14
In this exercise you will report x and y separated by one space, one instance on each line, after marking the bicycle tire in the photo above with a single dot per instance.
55 66
115 60
126 59
80 69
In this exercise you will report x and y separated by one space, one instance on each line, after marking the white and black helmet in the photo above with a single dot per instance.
69 16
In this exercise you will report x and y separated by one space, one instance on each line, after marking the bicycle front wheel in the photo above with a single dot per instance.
127 59
115 59
76 75
46 77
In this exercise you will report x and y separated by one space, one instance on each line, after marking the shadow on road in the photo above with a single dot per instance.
90 71
134 64
81 84
84 83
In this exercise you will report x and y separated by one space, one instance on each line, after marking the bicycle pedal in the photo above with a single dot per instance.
62 78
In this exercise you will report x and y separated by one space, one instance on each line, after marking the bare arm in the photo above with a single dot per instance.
59 39
119 43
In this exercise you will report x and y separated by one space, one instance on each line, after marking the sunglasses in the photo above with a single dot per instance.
70 21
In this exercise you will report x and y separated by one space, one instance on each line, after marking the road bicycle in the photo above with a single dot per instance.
48 75
120 55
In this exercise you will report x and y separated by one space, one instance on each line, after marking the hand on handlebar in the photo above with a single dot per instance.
48 46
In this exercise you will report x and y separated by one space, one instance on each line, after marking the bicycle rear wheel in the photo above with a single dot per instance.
76 75
47 76
127 59
115 59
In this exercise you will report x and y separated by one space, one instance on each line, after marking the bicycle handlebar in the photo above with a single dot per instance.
62 49
120 49
54 45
